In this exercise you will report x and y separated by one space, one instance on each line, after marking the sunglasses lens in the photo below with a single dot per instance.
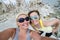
21 20
27 18
34 17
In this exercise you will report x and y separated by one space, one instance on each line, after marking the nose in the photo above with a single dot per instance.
34 20
25 21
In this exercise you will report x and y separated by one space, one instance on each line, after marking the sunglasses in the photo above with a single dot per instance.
34 17
23 19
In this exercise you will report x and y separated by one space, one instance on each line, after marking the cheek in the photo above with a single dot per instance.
32 21
20 24
28 22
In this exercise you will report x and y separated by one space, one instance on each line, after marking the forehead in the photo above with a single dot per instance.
22 16
33 13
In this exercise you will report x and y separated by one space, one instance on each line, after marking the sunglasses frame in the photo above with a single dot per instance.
23 19
34 17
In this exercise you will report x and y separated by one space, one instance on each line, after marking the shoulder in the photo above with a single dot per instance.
10 30
35 35
32 31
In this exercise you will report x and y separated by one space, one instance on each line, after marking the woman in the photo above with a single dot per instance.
22 32
44 27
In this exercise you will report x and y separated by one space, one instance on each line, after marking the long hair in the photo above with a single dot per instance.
32 12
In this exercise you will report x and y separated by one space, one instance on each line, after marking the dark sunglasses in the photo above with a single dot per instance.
22 19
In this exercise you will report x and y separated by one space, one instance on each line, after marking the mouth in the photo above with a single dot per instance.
25 25
35 22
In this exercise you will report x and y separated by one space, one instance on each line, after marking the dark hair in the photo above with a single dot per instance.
32 12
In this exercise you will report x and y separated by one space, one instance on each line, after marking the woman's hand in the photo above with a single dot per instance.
54 30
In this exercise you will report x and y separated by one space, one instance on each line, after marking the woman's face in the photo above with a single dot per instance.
34 18
23 21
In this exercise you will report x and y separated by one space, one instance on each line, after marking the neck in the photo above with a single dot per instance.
23 30
22 34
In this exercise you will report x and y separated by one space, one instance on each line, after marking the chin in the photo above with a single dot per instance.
26 28
35 23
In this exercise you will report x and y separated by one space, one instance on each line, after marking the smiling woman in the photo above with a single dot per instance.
22 32
23 24
44 28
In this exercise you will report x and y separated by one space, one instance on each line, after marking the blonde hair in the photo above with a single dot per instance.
20 15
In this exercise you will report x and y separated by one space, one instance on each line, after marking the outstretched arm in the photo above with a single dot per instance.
6 34
54 23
